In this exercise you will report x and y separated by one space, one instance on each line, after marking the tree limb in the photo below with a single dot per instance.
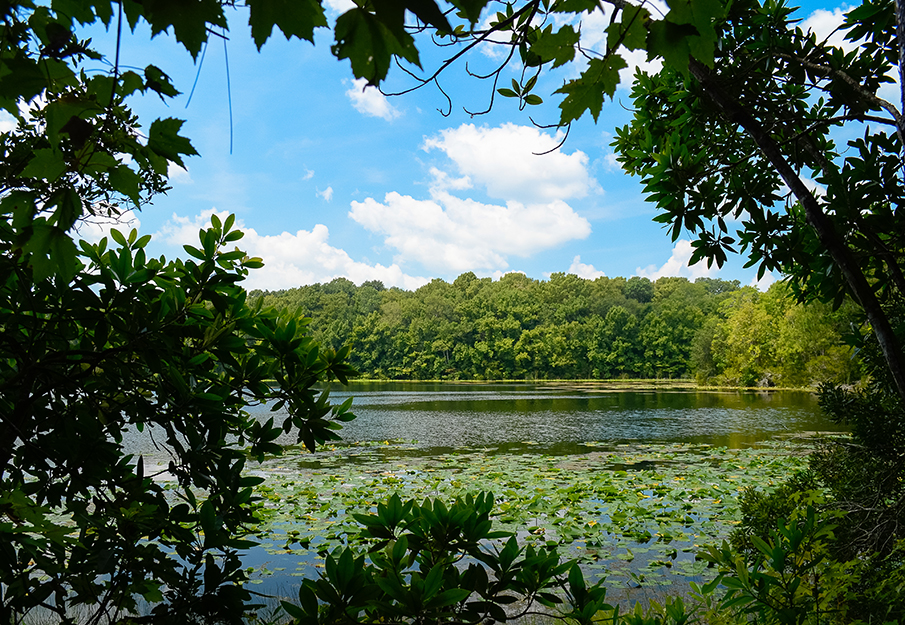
733 112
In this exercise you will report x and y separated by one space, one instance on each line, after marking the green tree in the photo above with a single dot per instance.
130 345
99 343
738 136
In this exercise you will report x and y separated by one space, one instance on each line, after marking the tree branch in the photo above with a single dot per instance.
733 112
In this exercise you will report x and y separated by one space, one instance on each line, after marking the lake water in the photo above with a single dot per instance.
557 434
560 416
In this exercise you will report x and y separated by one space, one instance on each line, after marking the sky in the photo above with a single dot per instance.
330 179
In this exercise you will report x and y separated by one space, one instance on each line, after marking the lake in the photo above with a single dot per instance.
630 480
559 416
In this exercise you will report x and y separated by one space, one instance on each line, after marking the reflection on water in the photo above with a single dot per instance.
559 417
552 418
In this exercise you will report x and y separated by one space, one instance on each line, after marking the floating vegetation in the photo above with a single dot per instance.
631 512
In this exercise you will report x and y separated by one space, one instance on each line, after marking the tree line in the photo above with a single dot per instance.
568 327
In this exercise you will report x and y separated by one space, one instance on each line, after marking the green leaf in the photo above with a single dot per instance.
558 47
52 251
370 45
574 6
471 8
159 82
587 93
46 164
428 12
671 42
164 139
126 181
507 93
190 20
631 30
295 18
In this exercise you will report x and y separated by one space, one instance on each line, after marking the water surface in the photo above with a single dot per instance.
558 417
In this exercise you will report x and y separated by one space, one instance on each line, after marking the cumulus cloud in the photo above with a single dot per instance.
291 259
504 160
178 175
764 283
369 101
677 265
8 123
450 235
327 193
309 174
588 272
825 25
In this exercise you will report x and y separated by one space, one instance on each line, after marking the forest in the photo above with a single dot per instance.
567 327
754 137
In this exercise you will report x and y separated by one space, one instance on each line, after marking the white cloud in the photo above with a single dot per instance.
764 283
505 161
588 272
444 182
340 6
677 265
825 25
178 175
593 37
93 229
450 235
369 101
327 193
8 123
309 174
291 260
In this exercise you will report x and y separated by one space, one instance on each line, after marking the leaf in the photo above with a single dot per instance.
159 82
631 30
369 45
471 8
558 47
671 42
164 139
126 181
428 12
587 92
52 251
46 164
295 18
574 6
190 20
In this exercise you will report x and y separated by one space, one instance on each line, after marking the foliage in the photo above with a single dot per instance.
432 563
768 339
630 510
789 581
131 347
865 473
762 510
733 141
569 327
93 348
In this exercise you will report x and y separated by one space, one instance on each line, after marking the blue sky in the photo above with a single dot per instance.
328 179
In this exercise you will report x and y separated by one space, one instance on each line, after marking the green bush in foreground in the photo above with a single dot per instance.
132 345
